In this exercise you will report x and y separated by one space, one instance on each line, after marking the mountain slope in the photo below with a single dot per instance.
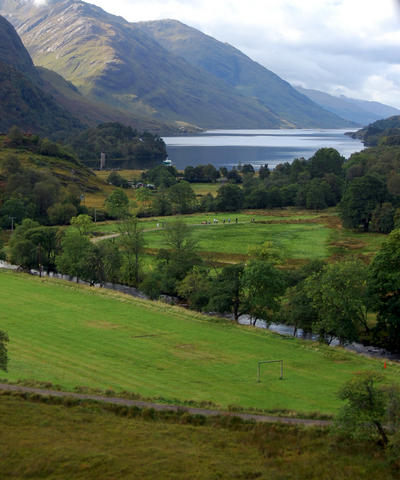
110 59
240 72
361 112
22 99
92 112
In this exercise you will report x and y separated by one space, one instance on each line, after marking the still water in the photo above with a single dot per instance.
228 148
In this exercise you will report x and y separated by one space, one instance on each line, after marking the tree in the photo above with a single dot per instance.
61 213
117 203
2 252
182 197
132 243
264 172
369 406
385 285
382 219
195 288
22 249
248 169
15 136
325 160
3 350
339 293
16 208
360 200
75 256
180 257
299 310
229 198
263 286
82 222
111 260
226 291
117 180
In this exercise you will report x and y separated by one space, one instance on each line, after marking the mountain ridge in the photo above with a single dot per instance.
118 62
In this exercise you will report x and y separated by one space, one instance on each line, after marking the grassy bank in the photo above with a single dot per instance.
76 336
86 442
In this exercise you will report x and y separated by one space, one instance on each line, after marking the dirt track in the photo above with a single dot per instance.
158 406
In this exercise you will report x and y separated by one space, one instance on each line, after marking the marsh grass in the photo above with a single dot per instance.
86 441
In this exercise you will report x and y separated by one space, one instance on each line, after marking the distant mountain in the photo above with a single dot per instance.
130 67
361 112
22 99
246 76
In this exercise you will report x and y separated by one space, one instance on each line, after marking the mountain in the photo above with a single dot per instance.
111 60
361 112
23 102
246 76
127 66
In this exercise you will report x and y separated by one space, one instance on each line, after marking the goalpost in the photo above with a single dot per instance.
269 361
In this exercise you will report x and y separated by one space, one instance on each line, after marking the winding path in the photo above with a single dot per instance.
161 407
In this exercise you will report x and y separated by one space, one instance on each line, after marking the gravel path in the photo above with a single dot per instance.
158 406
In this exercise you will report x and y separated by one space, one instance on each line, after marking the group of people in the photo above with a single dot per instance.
215 220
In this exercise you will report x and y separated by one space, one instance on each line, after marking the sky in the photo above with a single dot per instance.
349 47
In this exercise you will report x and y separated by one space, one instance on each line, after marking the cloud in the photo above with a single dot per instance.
350 45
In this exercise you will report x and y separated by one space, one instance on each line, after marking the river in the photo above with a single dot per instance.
228 148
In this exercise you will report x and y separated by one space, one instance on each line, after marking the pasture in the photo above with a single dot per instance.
72 335
300 235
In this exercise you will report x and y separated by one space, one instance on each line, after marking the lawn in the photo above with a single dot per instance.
82 443
73 335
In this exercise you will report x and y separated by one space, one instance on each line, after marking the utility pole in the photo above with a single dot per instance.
12 223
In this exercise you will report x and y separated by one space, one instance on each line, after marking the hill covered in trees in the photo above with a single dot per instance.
123 146
381 132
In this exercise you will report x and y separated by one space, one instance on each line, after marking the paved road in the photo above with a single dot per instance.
158 406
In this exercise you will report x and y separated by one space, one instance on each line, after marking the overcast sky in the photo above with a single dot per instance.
349 47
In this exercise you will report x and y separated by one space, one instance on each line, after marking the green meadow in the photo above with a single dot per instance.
298 234
76 336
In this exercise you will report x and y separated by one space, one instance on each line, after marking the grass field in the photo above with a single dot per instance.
76 336
299 234
83 443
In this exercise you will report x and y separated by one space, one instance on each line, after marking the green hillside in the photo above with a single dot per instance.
62 165
76 336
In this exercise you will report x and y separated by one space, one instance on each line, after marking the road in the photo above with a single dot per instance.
161 407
